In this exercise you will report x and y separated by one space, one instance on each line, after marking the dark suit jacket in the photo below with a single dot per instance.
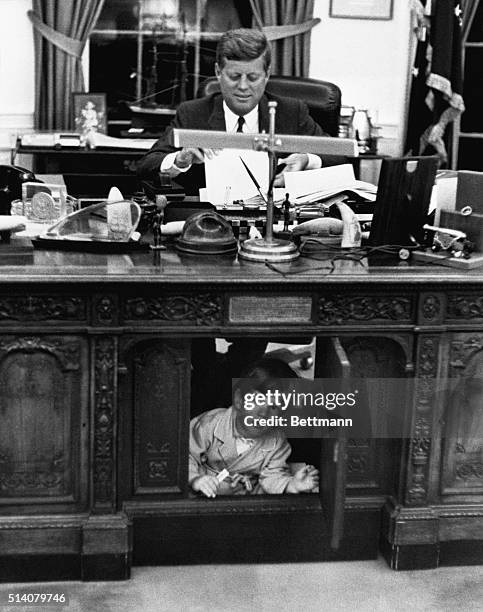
207 113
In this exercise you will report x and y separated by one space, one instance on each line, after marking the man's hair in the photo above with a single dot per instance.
265 374
243 45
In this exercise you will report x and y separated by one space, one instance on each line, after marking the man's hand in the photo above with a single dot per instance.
187 157
305 479
208 485
293 163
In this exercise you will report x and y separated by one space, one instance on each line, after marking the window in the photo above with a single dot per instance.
154 53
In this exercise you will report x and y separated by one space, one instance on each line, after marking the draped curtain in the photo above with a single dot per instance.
288 24
61 30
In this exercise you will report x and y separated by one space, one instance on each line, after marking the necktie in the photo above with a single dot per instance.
241 123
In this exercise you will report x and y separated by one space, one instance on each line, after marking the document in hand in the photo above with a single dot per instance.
313 185
228 180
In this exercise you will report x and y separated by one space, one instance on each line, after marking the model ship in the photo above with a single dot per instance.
146 110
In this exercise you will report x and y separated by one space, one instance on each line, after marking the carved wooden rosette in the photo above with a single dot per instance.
104 419
420 447
431 308
105 310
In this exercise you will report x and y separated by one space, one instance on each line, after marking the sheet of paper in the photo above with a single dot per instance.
443 196
227 178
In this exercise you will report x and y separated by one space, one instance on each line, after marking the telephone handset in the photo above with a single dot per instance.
11 180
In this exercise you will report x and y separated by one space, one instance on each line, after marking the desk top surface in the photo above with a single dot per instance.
20 262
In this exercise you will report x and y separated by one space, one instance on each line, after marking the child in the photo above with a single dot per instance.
229 457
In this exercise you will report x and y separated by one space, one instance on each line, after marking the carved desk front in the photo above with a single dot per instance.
92 345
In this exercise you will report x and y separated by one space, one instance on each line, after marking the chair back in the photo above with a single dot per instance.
322 97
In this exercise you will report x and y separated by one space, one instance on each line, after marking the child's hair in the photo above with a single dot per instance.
264 375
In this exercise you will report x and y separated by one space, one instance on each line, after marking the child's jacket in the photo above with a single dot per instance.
213 448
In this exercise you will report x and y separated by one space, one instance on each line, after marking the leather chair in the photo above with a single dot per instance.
322 98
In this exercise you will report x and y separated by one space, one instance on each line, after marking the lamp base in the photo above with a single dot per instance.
275 251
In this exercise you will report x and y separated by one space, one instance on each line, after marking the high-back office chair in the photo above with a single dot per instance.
322 98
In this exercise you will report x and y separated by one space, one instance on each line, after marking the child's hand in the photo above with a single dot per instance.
208 485
242 481
305 479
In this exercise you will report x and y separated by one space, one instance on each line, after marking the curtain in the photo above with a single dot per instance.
61 30
288 24
436 99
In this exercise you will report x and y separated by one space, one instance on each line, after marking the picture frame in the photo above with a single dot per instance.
361 9
89 111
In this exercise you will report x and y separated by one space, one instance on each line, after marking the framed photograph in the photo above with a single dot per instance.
90 112
361 9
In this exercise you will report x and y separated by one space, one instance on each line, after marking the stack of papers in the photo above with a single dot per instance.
227 180
312 185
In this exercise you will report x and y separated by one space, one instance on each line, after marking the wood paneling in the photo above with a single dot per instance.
155 407
462 466
43 404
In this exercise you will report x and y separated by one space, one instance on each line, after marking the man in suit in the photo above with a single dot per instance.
242 68
243 58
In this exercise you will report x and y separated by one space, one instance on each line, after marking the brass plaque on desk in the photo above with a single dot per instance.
272 309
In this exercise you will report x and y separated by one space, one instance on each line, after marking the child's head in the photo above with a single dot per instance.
254 394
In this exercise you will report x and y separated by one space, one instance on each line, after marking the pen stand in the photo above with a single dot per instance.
269 249
261 249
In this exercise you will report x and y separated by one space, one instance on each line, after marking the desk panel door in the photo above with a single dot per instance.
332 362
43 423
462 466
154 391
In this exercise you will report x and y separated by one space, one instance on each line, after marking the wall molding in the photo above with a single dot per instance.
15 122
11 125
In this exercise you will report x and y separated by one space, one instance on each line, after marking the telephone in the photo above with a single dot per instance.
11 180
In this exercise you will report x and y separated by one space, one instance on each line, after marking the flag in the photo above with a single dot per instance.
436 98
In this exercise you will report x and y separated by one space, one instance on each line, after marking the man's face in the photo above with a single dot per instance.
242 84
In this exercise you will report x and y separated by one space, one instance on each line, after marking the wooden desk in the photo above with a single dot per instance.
94 370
